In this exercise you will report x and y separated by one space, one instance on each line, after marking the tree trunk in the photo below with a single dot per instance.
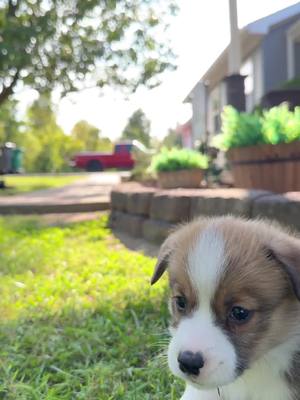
8 90
12 8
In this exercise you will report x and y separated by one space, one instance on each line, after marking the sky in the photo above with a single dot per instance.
198 35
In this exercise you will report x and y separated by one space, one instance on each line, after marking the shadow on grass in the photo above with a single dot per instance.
137 244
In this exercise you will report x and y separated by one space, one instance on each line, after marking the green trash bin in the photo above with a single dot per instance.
16 161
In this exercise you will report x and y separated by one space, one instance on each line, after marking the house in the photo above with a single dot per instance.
270 55
185 133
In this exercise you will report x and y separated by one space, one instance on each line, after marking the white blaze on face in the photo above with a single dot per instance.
199 332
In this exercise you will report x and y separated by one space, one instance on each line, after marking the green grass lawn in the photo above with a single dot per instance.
22 184
79 318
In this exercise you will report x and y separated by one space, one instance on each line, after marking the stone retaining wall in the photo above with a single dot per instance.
151 213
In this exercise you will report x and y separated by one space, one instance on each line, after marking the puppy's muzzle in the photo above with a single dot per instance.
190 363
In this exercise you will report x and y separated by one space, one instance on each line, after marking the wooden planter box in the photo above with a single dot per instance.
269 167
186 178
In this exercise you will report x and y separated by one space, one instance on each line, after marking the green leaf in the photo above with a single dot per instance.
56 44
178 159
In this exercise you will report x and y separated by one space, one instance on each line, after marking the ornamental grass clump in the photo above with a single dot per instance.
274 126
239 129
178 159
280 125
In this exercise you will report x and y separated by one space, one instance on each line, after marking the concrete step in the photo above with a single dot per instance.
50 208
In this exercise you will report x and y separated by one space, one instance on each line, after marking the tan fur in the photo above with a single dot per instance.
255 282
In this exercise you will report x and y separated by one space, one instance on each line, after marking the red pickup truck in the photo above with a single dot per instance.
121 158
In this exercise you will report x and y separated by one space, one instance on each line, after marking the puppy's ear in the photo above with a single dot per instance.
163 259
286 252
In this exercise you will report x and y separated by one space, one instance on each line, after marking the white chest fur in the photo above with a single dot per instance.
264 381
259 385
265 389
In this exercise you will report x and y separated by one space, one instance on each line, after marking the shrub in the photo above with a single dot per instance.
274 126
178 159
280 125
142 159
239 129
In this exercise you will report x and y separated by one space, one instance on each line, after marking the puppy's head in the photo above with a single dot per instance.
235 289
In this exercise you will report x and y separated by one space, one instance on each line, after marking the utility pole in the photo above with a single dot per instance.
235 87
235 46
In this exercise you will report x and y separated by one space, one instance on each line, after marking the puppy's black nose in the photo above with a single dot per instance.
190 363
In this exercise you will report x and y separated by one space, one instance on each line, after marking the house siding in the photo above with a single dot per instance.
297 59
199 113
216 102
274 49
258 79
252 69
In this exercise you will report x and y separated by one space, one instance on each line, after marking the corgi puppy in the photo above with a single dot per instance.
235 327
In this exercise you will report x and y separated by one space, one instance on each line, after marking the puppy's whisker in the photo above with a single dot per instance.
159 344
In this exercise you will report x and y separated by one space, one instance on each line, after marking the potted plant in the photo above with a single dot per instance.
179 168
263 148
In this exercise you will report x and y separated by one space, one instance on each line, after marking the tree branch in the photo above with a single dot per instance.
7 90
12 8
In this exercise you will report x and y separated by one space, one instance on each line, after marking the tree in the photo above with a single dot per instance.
46 147
9 125
88 137
87 134
138 128
70 43
172 139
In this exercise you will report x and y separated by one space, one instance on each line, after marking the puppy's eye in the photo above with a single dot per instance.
240 315
181 303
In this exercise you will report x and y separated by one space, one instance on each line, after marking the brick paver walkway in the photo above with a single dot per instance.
86 195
